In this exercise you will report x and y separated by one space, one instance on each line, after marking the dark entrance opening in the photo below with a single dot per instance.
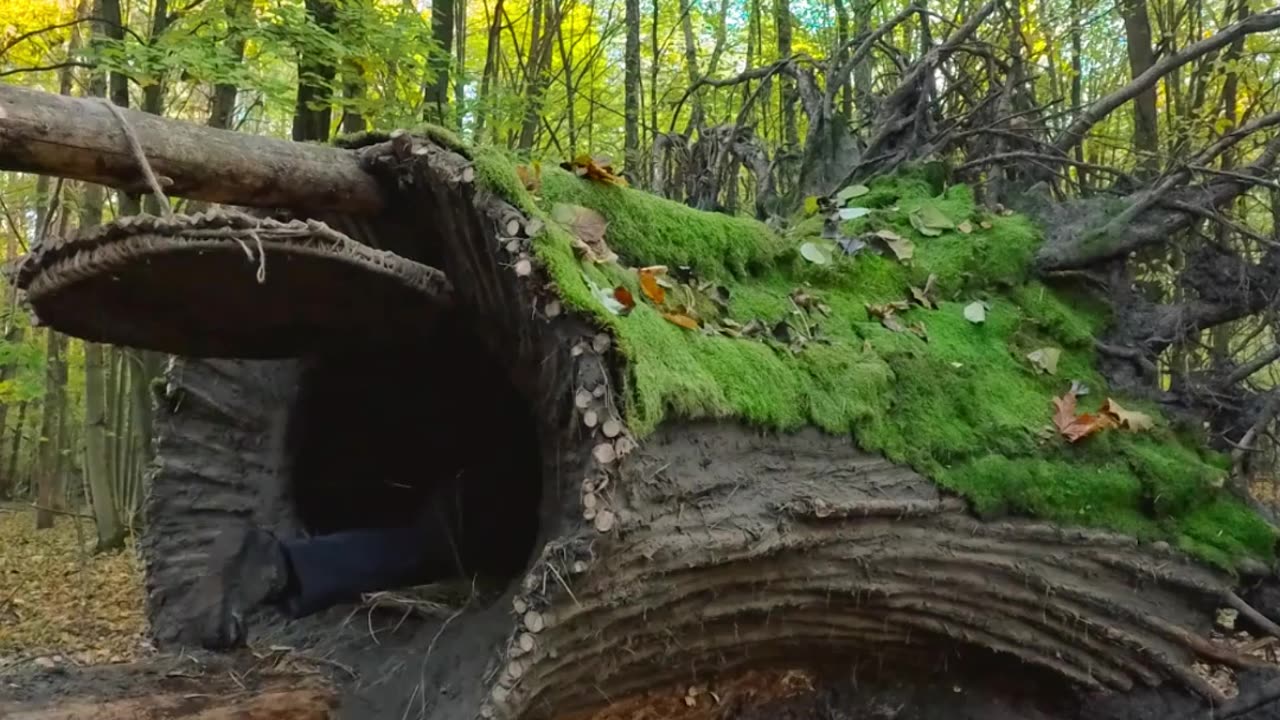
383 433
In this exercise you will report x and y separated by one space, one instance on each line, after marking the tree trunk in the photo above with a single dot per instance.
691 66
842 40
540 46
787 86
1077 87
46 477
97 467
1146 131
153 93
144 368
460 61
488 76
631 89
436 92
223 104
119 407
82 140
313 108
15 449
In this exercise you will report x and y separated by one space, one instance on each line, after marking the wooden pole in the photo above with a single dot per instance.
82 139
276 703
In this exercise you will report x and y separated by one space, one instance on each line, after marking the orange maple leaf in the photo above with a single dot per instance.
683 321
652 290
591 168
623 295
1077 427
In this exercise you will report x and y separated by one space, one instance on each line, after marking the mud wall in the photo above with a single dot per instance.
219 461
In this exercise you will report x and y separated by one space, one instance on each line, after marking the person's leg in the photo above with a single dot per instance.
302 576
330 569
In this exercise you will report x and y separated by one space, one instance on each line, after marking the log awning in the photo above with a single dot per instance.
226 284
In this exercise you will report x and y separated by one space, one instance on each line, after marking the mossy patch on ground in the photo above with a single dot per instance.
962 405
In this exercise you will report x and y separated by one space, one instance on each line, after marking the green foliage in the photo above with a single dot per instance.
25 381
964 407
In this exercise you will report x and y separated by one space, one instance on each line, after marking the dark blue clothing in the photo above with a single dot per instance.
335 568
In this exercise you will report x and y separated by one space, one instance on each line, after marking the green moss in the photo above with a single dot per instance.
1068 492
1222 531
647 230
965 406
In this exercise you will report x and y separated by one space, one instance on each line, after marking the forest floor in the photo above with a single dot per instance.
61 604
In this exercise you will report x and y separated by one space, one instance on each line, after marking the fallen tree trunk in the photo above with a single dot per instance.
169 689
637 530
276 704
83 139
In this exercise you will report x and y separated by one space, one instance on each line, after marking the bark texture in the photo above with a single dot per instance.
83 140
274 687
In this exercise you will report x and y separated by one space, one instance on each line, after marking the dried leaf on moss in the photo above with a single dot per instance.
587 228
887 314
1045 359
683 321
901 248
599 169
925 295
531 177
1077 427
650 287
624 296
1129 419
929 220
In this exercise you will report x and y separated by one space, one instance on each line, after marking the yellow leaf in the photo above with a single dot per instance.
1131 419
683 321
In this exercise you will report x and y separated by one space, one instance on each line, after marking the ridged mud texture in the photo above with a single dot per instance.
736 550
217 464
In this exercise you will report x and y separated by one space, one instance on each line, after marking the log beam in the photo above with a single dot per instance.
83 139
278 703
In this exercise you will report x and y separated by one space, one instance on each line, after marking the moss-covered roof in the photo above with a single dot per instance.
962 405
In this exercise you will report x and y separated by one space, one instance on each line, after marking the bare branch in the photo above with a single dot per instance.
1074 133
1121 235
1028 155
865 47
46 68
1253 366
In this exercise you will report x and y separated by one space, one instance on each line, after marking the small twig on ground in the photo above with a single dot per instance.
1257 618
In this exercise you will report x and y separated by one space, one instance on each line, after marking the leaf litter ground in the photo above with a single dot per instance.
61 604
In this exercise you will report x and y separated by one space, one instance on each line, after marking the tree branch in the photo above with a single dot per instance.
1121 236
1074 133
80 139
865 47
